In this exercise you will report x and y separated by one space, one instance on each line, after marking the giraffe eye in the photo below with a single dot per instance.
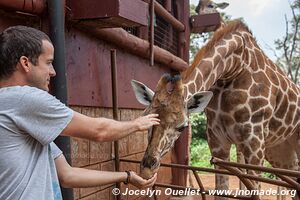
181 128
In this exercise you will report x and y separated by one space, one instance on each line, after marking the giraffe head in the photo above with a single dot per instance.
168 101
208 6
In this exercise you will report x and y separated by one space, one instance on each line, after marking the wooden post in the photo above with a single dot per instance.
151 42
115 109
181 147
168 5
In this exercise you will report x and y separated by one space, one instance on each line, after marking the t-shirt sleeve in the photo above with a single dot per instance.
55 151
42 116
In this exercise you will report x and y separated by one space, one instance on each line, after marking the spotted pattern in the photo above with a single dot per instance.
255 105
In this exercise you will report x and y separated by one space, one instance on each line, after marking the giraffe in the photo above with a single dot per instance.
254 104
208 6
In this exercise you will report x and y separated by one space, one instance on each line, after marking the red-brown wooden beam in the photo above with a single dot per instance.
112 13
135 45
205 23
28 6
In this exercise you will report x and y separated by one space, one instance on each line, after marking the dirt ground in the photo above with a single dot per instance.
208 182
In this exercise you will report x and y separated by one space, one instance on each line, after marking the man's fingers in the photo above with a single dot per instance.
155 123
156 119
148 121
150 182
153 119
153 115
153 179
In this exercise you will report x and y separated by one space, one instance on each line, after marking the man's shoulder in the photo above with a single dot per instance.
27 88
25 93
20 89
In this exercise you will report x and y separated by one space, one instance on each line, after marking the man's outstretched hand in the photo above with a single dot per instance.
146 122
141 183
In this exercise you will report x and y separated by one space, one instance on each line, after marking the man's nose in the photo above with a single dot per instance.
52 72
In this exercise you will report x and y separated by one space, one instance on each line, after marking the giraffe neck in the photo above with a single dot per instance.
222 23
221 59
229 56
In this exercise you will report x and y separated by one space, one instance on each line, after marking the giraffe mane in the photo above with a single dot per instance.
218 35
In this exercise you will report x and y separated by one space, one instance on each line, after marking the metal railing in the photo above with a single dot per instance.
234 169
229 168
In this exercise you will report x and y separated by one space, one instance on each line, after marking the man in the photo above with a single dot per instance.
31 165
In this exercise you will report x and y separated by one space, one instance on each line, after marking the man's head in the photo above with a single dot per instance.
29 52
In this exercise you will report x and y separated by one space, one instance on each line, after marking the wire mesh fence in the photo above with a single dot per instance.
165 36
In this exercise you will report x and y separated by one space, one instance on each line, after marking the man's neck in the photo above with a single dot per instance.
13 80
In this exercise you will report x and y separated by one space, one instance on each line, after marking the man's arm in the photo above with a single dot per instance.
103 129
72 177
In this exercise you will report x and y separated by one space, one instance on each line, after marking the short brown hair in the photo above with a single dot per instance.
17 41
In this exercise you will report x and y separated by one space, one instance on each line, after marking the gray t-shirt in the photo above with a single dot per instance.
30 119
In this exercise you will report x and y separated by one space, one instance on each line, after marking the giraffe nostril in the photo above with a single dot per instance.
150 162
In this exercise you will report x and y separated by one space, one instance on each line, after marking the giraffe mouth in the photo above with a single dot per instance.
148 173
149 166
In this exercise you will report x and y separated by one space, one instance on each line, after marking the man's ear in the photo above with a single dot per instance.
24 63
199 101
143 94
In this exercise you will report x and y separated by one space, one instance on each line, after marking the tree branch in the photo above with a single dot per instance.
297 21
285 48
297 72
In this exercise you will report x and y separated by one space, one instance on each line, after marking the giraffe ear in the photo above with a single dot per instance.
199 101
143 94
222 5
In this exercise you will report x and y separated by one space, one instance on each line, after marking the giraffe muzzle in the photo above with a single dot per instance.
150 162
149 166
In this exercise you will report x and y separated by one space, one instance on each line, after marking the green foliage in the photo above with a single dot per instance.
197 40
200 153
193 9
200 156
265 174
198 123
288 48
